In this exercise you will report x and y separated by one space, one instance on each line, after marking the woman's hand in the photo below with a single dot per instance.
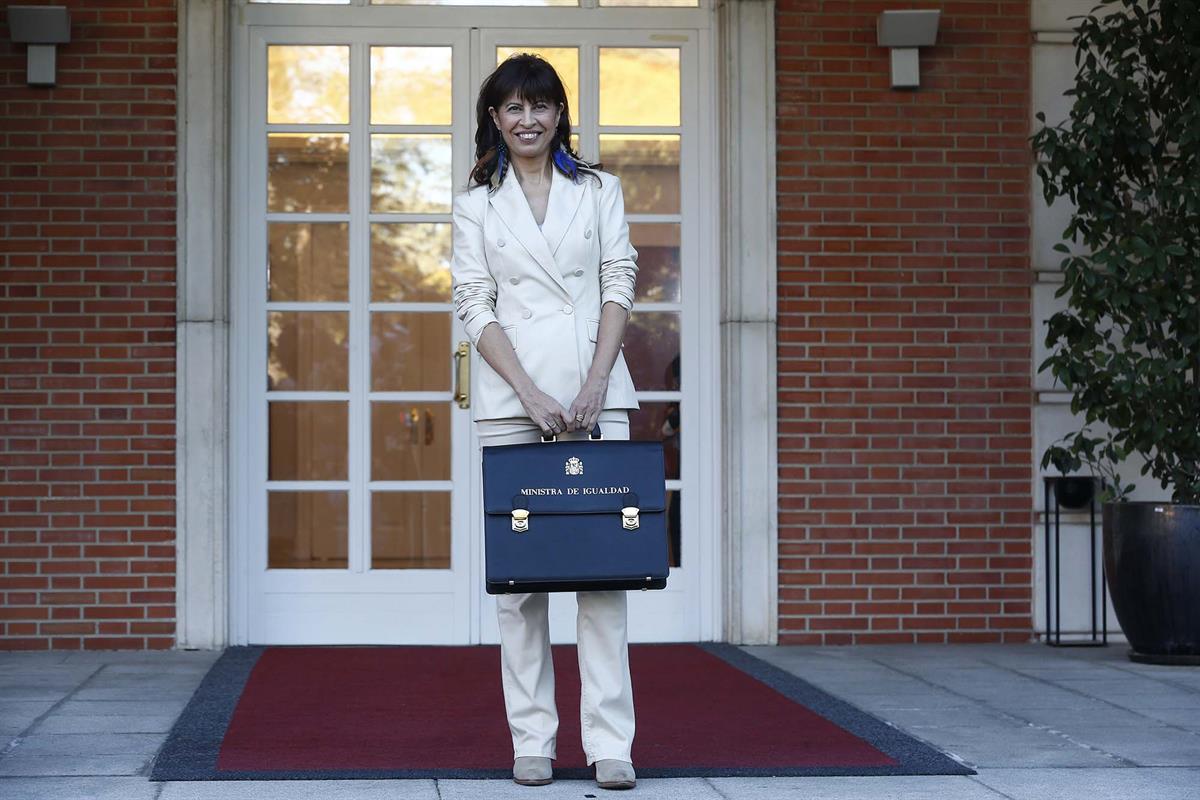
588 404
546 412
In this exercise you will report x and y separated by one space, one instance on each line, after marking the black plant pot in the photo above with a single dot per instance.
1074 491
1152 562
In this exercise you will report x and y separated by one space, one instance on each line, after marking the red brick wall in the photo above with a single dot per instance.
87 333
905 390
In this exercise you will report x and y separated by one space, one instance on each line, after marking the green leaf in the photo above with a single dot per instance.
1127 347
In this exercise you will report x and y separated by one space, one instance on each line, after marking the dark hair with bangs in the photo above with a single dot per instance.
531 78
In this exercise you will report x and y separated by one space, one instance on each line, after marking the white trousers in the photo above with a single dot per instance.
526 667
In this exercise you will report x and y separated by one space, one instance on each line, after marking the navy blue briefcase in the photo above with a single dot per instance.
575 515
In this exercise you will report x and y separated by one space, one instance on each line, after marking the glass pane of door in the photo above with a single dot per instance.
308 84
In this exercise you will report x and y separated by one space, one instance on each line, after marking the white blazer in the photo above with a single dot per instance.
544 287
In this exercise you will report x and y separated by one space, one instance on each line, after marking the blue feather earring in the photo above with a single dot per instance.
564 161
501 164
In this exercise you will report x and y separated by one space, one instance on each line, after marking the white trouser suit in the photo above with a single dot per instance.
545 287
526 667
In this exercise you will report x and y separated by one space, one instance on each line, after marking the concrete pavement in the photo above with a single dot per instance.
1038 723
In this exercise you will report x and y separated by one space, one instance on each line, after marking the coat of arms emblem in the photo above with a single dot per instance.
574 466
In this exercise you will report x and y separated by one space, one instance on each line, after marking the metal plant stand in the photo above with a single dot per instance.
1073 493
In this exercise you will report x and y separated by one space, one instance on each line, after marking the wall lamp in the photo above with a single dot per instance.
40 27
904 32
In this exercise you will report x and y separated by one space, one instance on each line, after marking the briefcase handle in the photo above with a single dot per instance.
594 435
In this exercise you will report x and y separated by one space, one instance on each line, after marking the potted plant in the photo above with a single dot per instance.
1128 344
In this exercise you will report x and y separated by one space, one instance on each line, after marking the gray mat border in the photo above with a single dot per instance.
191 749
915 756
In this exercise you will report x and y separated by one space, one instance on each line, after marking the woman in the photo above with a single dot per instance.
543 277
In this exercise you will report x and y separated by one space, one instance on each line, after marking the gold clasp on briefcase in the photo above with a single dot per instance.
520 520
629 518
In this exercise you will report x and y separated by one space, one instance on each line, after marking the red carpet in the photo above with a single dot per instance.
703 710
315 709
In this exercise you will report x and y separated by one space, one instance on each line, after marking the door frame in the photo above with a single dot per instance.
740 591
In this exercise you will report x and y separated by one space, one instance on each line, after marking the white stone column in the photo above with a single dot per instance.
201 390
750 523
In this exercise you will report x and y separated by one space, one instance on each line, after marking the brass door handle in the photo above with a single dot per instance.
462 375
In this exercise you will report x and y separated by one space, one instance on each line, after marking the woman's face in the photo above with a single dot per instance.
527 126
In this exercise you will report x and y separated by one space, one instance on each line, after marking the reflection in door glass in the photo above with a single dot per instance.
674 528
657 244
410 351
639 86
565 61
648 166
652 349
410 85
410 172
308 261
308 350
410 530
410 441
410 262
307 441
307 530
308 172
658 421
308 84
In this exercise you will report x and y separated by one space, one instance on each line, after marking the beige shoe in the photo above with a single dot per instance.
614 774
532 771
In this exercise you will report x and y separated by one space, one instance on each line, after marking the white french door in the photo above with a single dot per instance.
357 462
356 513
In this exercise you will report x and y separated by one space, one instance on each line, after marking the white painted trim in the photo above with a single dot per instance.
201 328
1054 37
513 17
748 321
708 402
239 406
1054 15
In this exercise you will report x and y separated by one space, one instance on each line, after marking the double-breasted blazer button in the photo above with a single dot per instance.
527 313
568 308
514 280
578 272
499 243
587 234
